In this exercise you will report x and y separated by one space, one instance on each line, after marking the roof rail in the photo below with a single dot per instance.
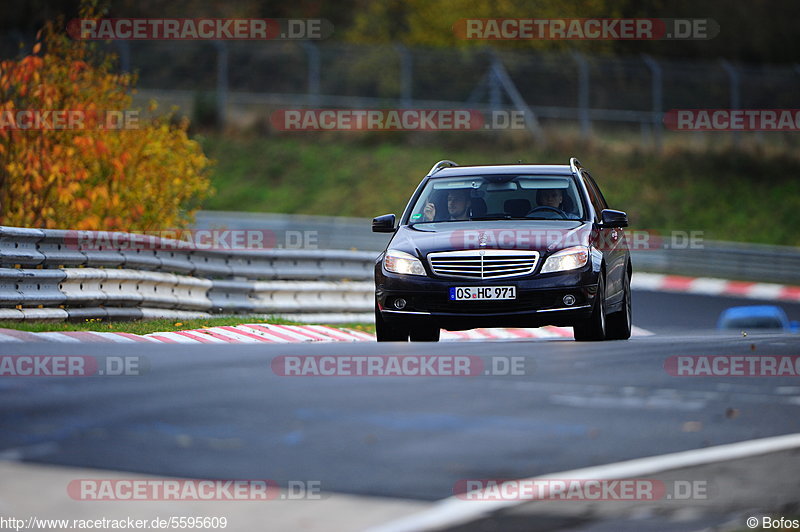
441 164
575 164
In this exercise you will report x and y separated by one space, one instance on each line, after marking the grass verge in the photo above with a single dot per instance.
726 192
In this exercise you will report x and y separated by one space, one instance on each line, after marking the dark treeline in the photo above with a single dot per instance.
752 31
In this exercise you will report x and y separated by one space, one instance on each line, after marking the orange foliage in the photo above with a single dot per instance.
151 176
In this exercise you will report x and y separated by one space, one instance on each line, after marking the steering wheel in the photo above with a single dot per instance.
549 208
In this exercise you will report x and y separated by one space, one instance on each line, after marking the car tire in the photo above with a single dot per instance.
618 326
425 333
387 332
594 328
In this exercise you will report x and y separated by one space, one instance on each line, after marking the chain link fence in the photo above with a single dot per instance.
585 90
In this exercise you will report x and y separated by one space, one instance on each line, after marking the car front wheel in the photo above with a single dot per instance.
389 332
594 328
619 323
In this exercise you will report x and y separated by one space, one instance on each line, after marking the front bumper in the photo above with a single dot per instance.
540 300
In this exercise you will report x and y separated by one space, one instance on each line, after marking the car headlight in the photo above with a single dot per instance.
401 262
566 259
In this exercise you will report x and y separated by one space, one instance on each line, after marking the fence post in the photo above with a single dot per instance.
583 94
222 82
495 97
733 76
313 72
498 75
406 75
124 48
477 93
657 93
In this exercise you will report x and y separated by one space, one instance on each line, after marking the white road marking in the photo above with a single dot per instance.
454 510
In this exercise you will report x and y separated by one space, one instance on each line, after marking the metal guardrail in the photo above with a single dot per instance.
726 260
47 274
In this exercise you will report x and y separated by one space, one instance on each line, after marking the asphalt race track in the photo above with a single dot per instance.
221 412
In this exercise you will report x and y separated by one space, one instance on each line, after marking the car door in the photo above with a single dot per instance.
612 242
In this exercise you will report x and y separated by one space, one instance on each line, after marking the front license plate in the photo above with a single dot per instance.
482 293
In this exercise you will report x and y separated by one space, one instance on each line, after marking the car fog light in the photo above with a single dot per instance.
399 303
569 300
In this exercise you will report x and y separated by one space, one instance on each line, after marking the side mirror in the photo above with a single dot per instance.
612 218
383 224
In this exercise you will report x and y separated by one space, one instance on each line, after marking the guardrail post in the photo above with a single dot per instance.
406 75
735 79
583 94
222 82
657 94
312 52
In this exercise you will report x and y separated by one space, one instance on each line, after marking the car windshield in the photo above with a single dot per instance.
498 197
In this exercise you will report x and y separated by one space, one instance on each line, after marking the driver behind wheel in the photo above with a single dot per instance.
458 207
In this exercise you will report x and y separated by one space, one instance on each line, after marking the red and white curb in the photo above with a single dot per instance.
714 287
272 333
228 334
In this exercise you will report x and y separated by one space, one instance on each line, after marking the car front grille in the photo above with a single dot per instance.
483 263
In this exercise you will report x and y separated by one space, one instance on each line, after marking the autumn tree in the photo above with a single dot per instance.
143 174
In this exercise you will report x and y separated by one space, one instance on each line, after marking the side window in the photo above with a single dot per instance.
596 200
597 191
